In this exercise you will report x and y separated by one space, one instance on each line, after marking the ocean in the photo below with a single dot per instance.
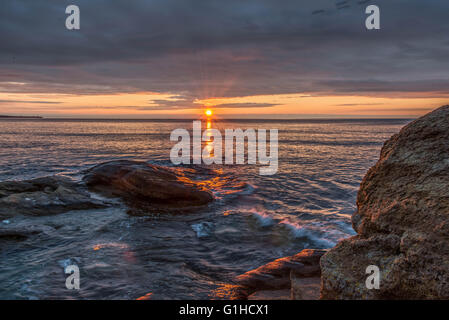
253 220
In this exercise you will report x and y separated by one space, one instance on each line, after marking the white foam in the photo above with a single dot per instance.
262 218
203 229
310 232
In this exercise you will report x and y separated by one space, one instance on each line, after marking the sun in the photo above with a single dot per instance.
208 112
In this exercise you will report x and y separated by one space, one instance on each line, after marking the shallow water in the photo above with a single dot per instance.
255 219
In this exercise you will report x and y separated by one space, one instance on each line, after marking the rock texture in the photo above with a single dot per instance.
304 288
402 221
146 187
276 274
43 196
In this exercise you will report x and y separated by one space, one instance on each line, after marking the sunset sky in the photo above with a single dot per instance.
243 59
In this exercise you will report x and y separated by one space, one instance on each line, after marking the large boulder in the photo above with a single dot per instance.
402 220
145 187
44 196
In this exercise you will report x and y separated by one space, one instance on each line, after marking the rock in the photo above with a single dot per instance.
145 186
402 220
304 288
270 295
276 274
17 234
44 196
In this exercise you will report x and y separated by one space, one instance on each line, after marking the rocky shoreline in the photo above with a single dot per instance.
402 220
296 277
402 225
144 188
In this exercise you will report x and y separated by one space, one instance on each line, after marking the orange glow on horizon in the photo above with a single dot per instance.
146 104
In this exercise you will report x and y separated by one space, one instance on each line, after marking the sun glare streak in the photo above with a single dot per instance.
208 112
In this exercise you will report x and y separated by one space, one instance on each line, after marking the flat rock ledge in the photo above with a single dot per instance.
295 277
44 196
402 220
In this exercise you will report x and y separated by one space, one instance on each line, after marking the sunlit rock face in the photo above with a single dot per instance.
146 188
276 275
402 221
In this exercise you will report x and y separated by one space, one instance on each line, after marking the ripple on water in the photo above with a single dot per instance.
254 220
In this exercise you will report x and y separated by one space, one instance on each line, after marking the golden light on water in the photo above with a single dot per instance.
146 297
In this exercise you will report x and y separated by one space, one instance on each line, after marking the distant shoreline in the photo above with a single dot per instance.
20 117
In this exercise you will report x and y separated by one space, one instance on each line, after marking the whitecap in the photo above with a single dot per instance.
263 219
310 232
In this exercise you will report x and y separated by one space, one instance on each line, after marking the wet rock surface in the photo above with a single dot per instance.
44 196
402 220
145 187
276 274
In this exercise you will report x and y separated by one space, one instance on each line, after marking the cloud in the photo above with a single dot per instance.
28 101
400 110
201 49
357 104
245 105
183 103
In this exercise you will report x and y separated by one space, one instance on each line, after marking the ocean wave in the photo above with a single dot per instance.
319 233
262 218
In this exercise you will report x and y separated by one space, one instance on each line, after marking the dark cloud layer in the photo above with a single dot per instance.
183 104
207 48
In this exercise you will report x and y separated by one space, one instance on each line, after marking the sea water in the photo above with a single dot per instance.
255 219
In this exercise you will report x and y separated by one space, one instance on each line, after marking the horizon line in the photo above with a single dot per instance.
343 117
